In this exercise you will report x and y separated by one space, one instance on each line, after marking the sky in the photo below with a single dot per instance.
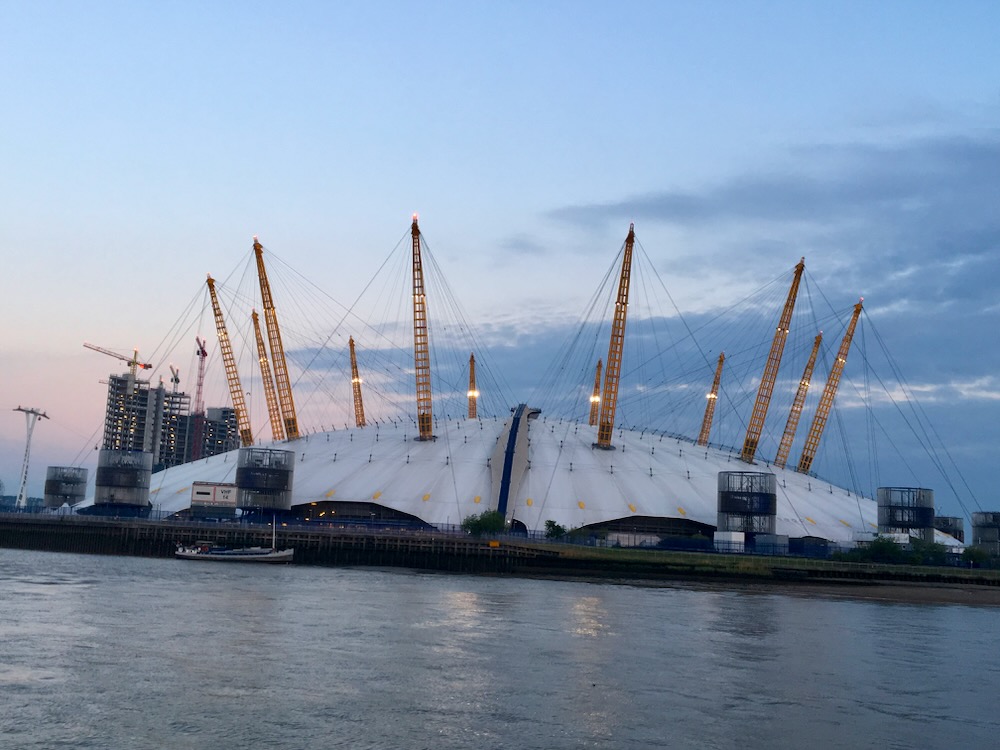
145 144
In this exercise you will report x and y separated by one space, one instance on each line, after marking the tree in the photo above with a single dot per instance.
554 530
975 557
928 553
882 549
487 522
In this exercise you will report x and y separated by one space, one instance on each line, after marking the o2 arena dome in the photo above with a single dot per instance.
617 434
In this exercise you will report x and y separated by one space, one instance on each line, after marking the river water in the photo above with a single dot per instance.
118 652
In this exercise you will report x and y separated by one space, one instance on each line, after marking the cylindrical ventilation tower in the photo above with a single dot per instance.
953 526
748 502
905 510
986 532
64 485
264 479
123 478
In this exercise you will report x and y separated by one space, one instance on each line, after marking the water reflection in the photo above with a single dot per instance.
590 617
361 658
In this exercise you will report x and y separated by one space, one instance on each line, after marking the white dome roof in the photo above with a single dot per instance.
566 479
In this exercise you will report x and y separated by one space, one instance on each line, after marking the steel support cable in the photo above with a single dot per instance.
180 327
912 400
554 376
349 312
570 371
690 331
922 437
498 387
874 472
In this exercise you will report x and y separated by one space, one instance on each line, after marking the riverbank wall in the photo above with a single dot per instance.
460 553
313 546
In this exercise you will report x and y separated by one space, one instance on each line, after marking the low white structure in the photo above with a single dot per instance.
549 470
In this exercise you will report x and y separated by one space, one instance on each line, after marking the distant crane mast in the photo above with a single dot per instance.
133 362
273 410
796 412
421 349
232 375
711 398
359 404
199 401
770 376
473 393
277 350
609 402
175 378
595 399
829 394
31 416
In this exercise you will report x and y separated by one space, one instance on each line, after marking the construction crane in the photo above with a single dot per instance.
273 410
175 378
285 400
421 348
232 375
199 401
31 416
609 402
770 376
595 399
829 394
133 362
712 398
473 392
796 412
359 404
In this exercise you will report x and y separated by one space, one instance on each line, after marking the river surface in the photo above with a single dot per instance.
119 652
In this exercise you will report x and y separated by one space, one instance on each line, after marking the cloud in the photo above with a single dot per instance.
521 244
824 184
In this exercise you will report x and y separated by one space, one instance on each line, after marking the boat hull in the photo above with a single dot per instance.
250 554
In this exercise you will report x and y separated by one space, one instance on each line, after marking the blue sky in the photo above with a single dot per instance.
144 144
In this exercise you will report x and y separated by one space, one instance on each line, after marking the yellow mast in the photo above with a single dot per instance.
359 405
595 399
473 393
609 403
235 389
273 410
421 349
796 413
277 350
712 397
829 393
766 388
